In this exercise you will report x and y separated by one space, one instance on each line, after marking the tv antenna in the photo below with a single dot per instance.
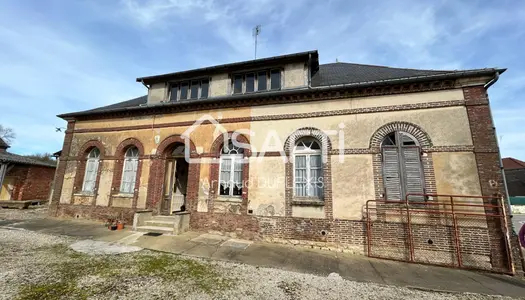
256 32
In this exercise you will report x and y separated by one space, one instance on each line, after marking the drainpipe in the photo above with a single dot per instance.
309 71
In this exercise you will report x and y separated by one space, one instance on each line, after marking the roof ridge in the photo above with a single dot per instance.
410 69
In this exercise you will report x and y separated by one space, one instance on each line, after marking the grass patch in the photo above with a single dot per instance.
72 267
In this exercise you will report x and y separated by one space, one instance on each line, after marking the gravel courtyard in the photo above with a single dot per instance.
39 266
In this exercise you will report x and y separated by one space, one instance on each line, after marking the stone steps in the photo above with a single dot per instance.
174 224
155 229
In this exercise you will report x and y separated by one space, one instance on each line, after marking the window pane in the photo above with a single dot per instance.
250 82
184 91
173 93
205 84
275 79
261 81
194 92
300 176
237 84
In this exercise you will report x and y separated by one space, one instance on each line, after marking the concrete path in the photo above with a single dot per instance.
299 259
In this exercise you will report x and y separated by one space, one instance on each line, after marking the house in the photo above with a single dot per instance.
341 155
24 178
515 176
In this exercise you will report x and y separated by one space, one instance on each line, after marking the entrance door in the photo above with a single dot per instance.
175 186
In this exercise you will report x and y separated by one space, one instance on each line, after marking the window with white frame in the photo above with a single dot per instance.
194 89
90 176
256 81
231 164
308 168
129 171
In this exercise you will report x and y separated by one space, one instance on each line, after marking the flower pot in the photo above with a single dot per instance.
120 226
113 227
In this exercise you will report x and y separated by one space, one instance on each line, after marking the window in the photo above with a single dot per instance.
198 89
261 81
308 168
246 83
183 91
275 79
90 177
129 172
250 82
237 84
402 169
194 90
230 180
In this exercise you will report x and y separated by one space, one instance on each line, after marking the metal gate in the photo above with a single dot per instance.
459 231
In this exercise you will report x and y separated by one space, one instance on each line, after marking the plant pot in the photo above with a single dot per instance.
120 226
113 227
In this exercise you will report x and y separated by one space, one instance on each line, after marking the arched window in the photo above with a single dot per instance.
90 177
308 168
231 165
129 171
402 170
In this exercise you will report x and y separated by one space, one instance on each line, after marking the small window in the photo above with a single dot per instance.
250 82
173 93
237 84
262 81
194 90
205 84
275 79
184 91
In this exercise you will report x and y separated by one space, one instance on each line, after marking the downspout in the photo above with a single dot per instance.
309 71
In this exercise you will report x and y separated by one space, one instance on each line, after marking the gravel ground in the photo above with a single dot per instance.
33 212
40 266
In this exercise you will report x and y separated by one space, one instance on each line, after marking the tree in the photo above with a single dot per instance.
7 134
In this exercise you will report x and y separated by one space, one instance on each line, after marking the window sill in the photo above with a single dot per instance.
121 195
229 199
306 201
84 194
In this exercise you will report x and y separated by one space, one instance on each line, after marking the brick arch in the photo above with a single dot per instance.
118 169
326 144
412 129
81 165
127 143
215 151
84 150
158 171
217 144
170 141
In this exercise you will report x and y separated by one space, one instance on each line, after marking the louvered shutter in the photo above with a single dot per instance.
413 174
391 174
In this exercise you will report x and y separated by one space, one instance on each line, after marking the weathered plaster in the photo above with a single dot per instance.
157 92
294 75
316 212
352 185
122 201
267 186
220 85
69 182
106 178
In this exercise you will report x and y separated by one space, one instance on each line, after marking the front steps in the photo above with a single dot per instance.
174 224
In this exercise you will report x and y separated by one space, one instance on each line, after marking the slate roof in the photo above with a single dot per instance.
512 163
325 77
19 159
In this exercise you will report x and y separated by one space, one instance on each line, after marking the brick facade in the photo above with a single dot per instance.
31 182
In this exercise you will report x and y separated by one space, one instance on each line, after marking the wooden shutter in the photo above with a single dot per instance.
391 174
413 173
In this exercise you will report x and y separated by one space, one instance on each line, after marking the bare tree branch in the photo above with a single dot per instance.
7 134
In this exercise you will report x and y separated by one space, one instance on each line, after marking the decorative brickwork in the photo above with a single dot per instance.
326 147
81 166
158 170
120 152
412 129
489 172
215 153
61 169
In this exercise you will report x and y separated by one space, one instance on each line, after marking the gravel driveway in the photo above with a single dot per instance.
39 266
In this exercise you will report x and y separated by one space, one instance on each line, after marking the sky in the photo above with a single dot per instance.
62 56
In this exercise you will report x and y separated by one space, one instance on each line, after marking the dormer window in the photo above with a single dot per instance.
256 81
195 89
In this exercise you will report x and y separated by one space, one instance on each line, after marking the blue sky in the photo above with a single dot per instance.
62 56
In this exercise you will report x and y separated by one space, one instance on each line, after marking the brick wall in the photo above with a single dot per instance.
31 182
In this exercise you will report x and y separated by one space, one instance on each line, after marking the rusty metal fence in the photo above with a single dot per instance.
459 231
